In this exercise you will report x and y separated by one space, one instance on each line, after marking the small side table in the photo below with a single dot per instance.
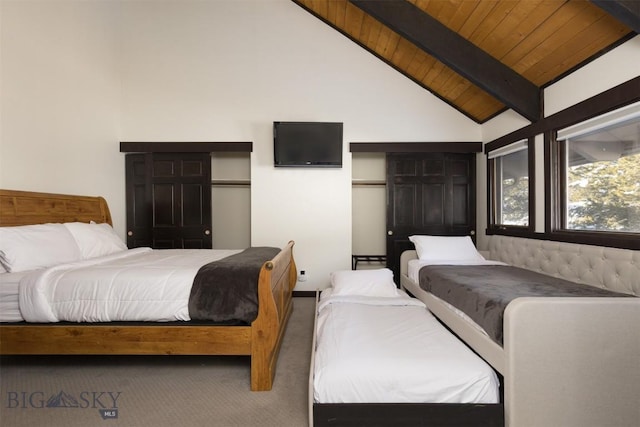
355 259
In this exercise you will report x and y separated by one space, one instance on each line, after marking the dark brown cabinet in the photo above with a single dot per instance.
428 193
168 200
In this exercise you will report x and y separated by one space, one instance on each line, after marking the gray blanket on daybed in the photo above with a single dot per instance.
227 290
483 291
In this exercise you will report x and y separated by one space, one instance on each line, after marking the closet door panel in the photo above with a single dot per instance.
404 208
461 209
138 196
433 212
428 193
163 201
193 204
169 200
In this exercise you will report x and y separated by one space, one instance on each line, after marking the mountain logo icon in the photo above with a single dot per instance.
62 400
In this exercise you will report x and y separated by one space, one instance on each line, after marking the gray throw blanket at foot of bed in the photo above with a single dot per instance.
484 291
227 290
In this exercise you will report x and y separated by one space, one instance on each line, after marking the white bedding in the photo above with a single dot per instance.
133 285
9 289
393 350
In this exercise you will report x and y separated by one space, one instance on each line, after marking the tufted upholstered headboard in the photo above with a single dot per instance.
610 268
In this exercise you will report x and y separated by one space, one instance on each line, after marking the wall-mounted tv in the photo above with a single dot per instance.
307 144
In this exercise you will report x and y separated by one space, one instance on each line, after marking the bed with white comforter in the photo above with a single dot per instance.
132 285
393 350
69 285
375 346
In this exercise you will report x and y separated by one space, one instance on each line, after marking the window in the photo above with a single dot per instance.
510 203
599 174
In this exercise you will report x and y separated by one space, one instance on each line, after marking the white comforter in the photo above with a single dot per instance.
393 350
134 285
9 290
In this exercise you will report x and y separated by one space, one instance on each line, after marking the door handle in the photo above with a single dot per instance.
129 233
390 233
207 232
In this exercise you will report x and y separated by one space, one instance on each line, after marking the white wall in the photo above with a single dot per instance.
60 86
609 70
78 77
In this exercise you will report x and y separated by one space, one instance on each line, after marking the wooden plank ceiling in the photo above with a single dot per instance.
481 56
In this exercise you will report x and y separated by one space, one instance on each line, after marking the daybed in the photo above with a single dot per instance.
566 361
259 339
381 358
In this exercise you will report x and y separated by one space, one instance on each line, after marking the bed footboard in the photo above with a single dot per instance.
275 289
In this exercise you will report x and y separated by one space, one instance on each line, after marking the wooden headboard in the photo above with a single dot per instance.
27 208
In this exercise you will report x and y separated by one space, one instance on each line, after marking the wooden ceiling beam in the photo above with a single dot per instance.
625 11
462 56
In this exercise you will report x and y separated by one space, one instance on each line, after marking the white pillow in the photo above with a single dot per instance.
372 283
95 240
445 248
29 247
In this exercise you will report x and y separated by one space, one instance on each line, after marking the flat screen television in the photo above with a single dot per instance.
307 144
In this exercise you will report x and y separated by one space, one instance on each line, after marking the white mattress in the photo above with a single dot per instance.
393 350
9 290
134 285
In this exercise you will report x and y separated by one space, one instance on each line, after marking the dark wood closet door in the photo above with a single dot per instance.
169 200
428 193
138 193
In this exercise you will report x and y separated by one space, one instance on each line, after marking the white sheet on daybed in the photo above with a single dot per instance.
135 285
393 350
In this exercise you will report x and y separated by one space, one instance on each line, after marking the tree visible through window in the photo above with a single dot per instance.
604 195
514 191
511 184
602 165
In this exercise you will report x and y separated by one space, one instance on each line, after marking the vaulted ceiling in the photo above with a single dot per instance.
483 56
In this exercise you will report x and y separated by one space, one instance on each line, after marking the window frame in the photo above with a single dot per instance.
493 227
555 191
611 99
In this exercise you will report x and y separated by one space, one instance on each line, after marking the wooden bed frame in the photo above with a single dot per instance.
261 340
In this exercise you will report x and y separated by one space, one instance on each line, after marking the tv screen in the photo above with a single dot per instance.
307 144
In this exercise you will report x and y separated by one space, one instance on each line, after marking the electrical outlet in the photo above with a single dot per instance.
302 276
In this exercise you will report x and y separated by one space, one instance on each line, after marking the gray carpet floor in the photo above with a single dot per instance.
159 390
